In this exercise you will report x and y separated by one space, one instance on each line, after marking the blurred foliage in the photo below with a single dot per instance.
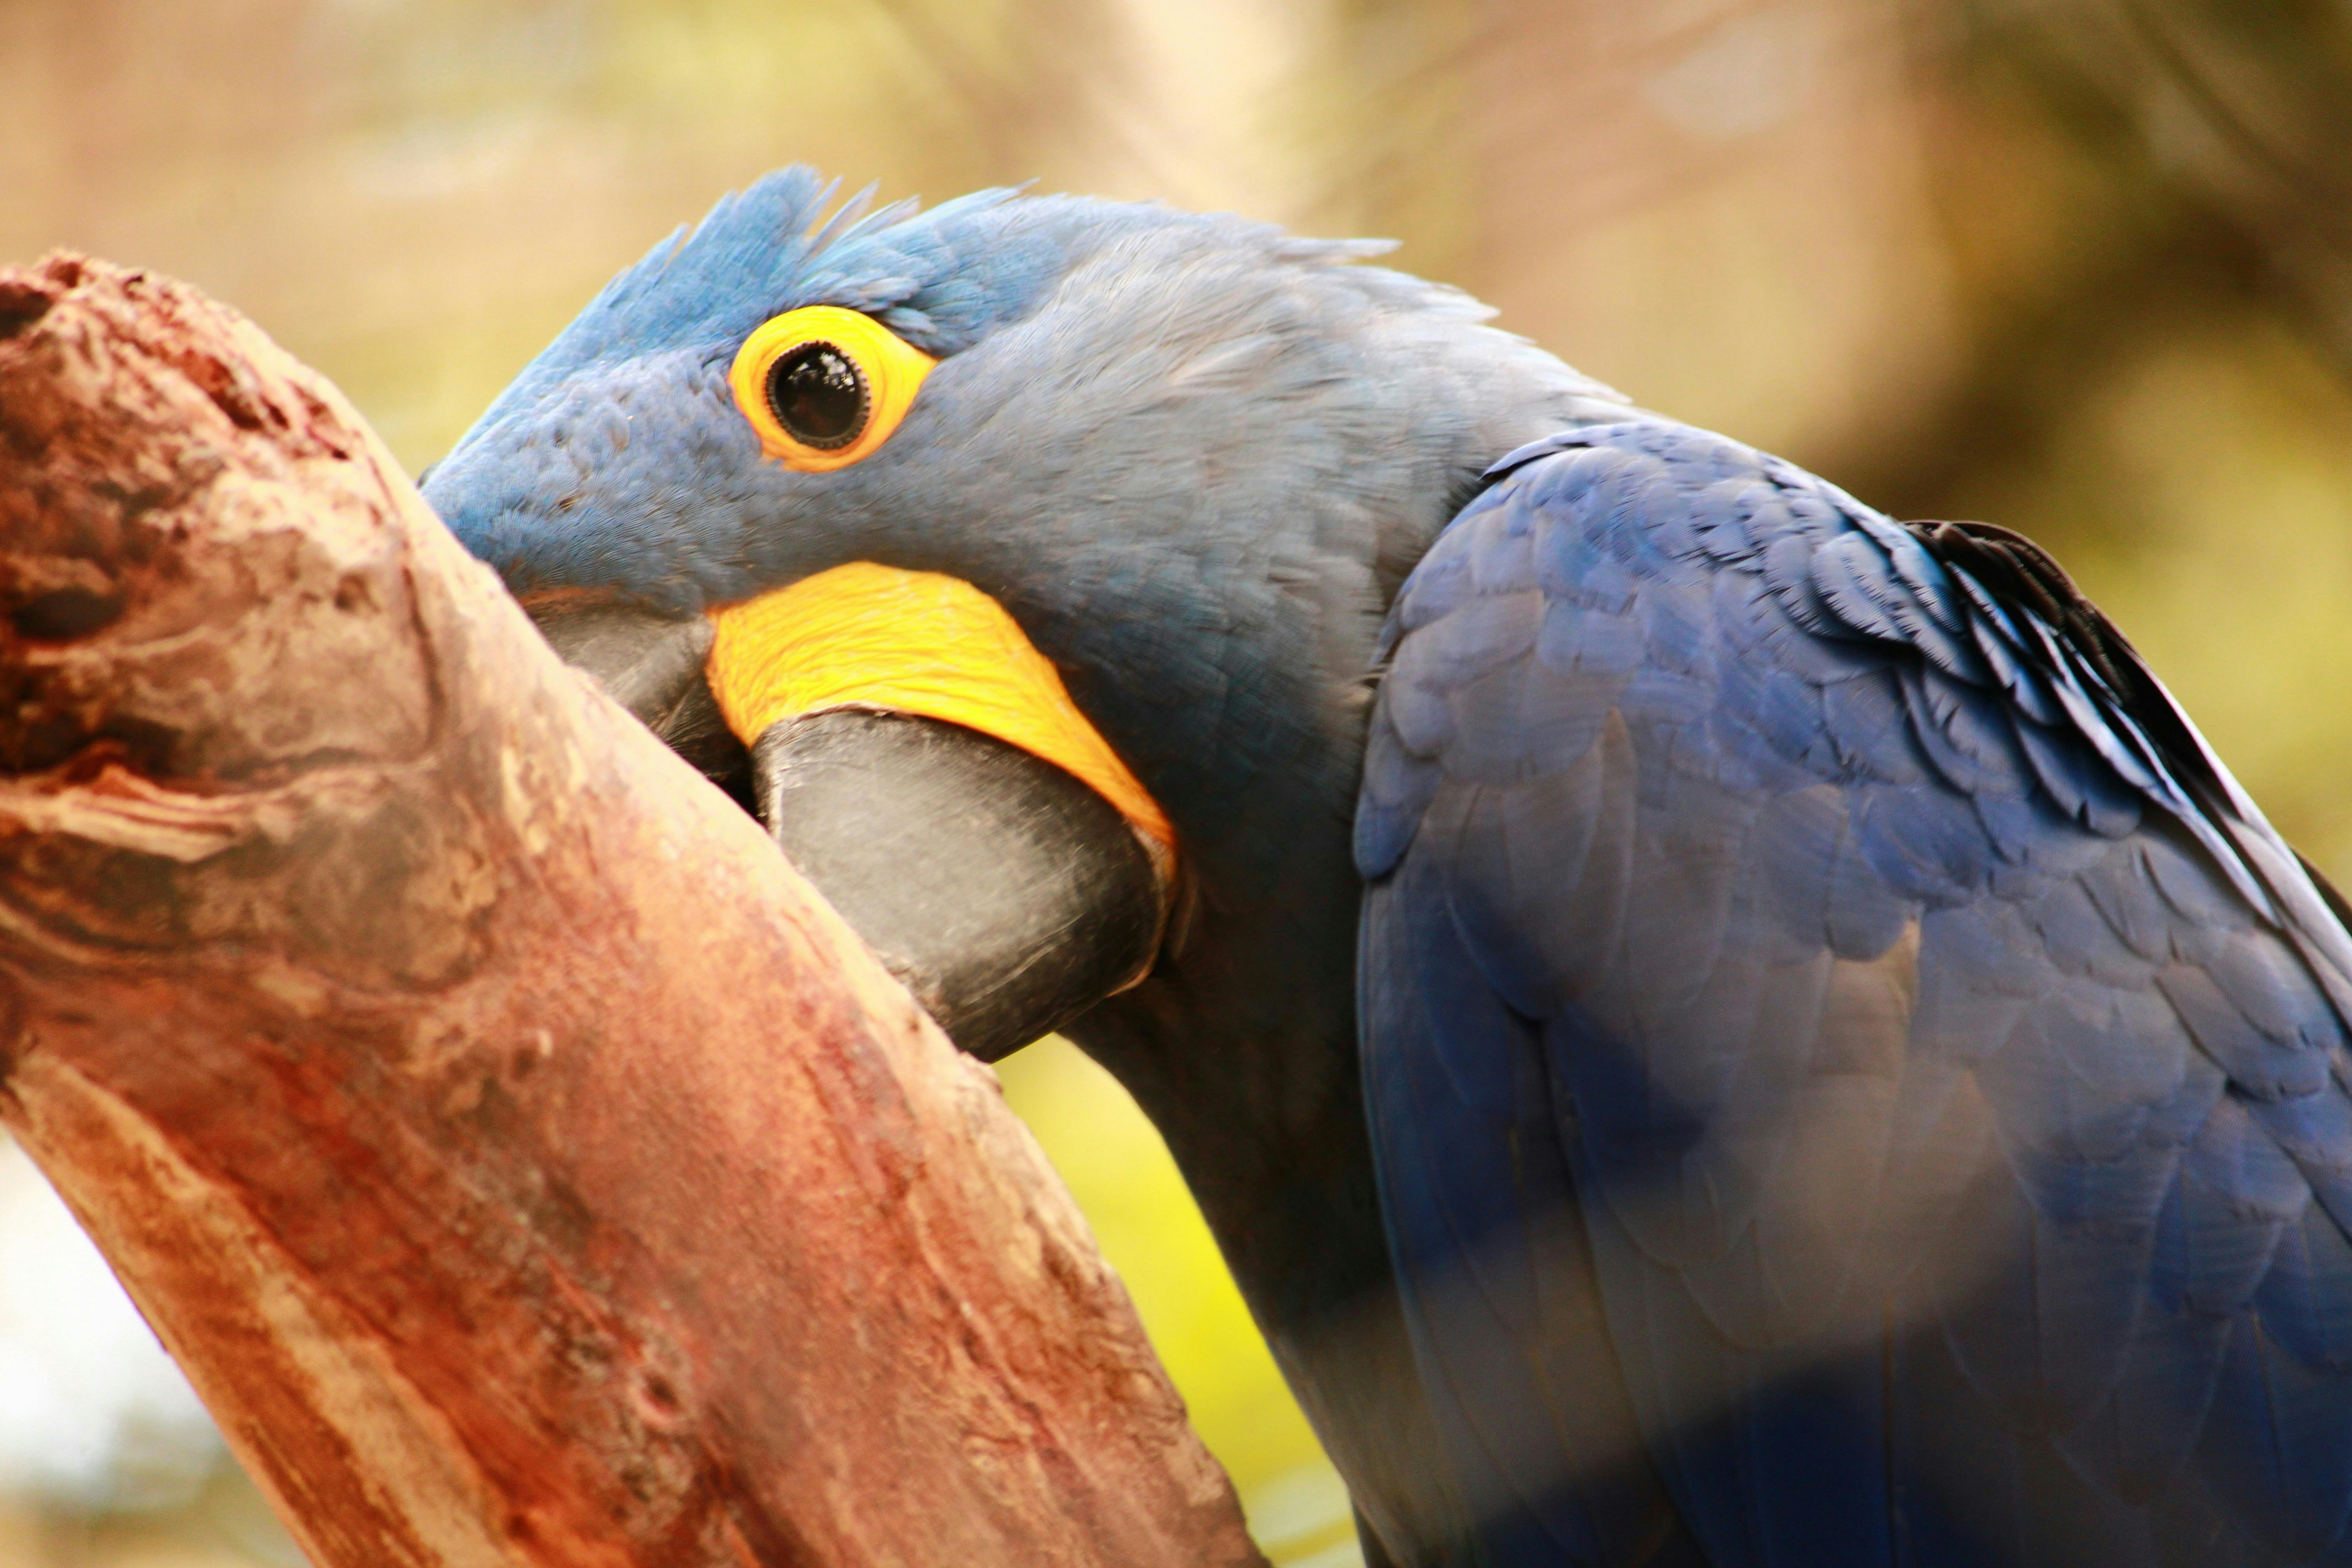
1135 1200
2080 267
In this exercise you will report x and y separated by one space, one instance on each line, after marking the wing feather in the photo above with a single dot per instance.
1850 1073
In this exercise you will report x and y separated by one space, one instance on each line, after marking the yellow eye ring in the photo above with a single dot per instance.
825 386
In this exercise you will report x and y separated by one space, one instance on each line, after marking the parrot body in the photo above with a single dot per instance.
1712 1028
1922 1089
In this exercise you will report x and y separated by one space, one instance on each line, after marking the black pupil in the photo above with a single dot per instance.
818 395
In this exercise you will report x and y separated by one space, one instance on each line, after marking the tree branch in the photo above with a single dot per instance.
526 1166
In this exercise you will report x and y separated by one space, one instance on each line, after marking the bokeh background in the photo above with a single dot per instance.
2079 267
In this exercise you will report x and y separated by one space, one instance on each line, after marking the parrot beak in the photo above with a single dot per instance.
1003 879
651 665
1005 894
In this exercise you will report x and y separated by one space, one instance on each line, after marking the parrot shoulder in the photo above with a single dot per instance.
1841 1052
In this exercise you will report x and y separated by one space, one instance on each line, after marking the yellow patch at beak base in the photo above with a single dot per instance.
864 636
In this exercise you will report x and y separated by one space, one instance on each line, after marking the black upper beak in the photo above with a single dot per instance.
1009 896
651 665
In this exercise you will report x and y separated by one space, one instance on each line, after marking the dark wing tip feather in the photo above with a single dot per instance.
2078 650
2329 893
2021 574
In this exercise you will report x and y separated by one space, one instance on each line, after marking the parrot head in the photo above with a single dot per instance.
1172 467
1122 491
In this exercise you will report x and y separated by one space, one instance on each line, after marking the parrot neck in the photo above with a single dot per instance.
1242 1045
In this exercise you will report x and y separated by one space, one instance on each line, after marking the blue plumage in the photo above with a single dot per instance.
1923 1070
1852 1078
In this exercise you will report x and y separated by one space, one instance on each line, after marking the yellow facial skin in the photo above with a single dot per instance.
890 369
872 636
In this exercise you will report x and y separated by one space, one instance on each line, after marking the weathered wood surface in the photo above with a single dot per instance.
525 1165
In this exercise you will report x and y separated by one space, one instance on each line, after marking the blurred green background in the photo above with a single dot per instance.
2079 267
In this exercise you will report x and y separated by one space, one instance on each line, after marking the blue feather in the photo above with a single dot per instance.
1943 1121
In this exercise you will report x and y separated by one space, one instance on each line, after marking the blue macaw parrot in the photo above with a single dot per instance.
1712 1026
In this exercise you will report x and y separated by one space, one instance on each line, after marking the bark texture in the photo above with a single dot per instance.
525 1165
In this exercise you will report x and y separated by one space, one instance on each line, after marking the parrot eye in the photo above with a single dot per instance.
824 387
819 396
